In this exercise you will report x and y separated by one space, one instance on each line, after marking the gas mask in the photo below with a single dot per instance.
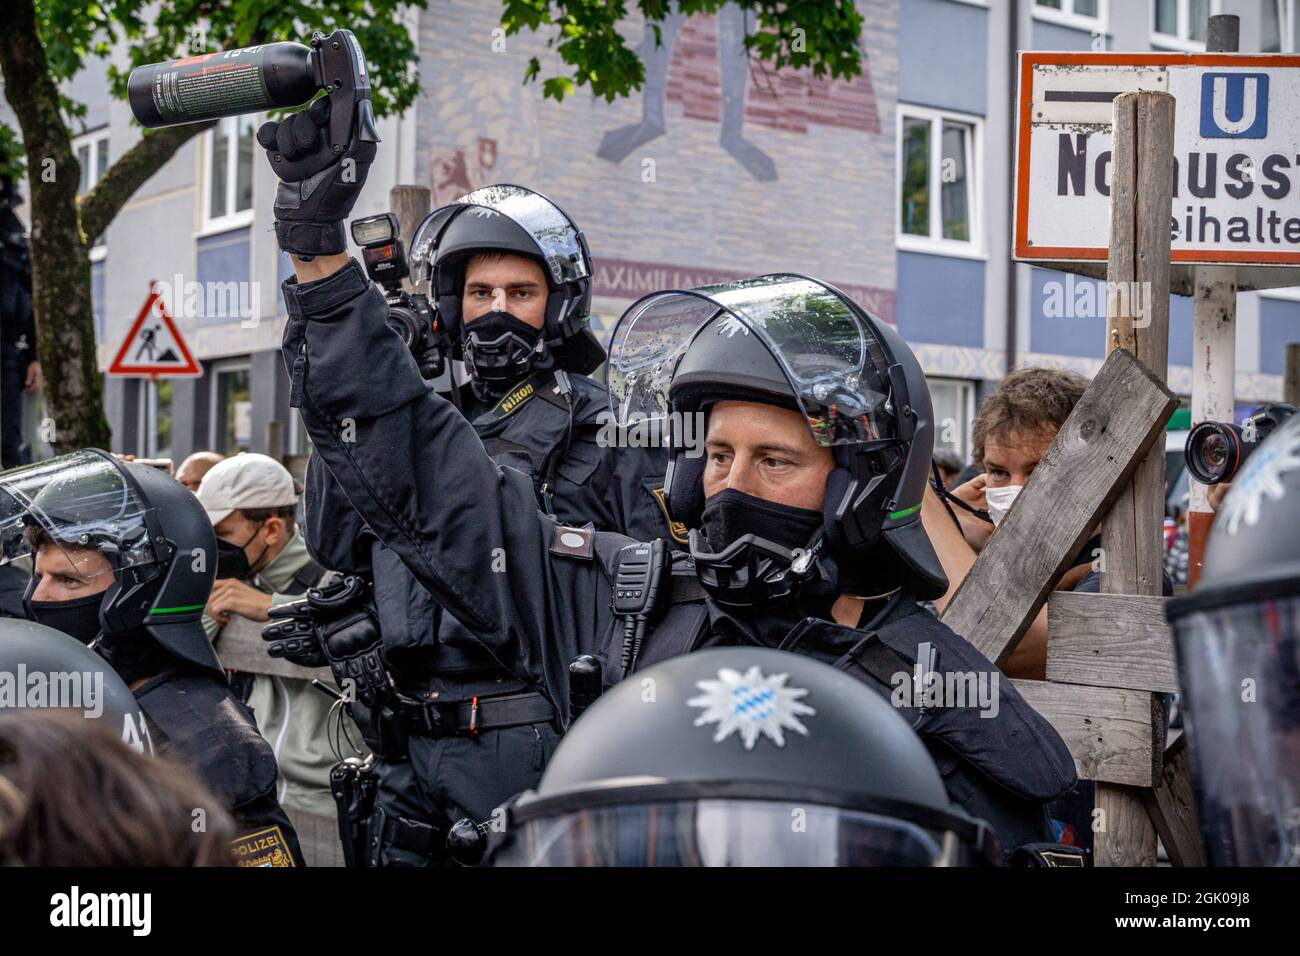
753 552
499 350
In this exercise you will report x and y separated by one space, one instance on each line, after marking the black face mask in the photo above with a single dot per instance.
498 350
730 515
232 559
759 553
78 618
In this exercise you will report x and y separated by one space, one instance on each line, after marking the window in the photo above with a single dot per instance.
228 193
1281 26
1180 24
953 401
91 151
232 407
1083 14
158 419
938 182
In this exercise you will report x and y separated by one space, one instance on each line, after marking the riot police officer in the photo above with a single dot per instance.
123 560
1237 641
740 761
806 508
510 275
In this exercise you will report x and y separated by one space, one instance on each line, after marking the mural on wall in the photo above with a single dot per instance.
719 168
702 63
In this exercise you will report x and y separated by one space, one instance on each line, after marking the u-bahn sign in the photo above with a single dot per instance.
1236 154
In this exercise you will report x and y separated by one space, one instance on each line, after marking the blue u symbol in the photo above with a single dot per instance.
1234 105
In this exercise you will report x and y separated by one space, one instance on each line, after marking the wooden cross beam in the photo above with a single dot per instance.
241 648
1112 427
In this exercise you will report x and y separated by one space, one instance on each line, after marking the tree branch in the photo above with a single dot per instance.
131 171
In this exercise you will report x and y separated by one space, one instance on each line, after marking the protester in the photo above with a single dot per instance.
949 466
263 561
193 468
1012 431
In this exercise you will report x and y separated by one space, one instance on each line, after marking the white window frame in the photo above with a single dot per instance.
934 243
1288 293
1068 18
1287 11
149 409
1182 40
242 364
966 390
211 225
91 141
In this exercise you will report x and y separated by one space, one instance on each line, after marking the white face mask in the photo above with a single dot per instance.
1000 501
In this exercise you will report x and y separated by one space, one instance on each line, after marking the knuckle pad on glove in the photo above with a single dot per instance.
284 141
266 135
305 135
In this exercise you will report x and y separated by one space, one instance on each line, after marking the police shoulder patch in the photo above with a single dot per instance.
574 542
675 528
262 848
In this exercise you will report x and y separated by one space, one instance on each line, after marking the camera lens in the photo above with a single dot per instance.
1214 452
405 323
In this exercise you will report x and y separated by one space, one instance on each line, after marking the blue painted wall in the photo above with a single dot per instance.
941 299
1279 323
223 258
943 52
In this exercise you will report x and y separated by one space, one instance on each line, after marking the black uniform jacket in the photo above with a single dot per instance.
537 595
595 483
195 719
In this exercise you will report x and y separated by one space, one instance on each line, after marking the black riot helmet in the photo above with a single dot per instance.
47 669
510 219
154 533
797 343
740 757
1237 641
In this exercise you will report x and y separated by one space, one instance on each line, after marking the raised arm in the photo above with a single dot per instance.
417 475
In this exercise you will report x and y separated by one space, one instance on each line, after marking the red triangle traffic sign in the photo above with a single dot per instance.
154 347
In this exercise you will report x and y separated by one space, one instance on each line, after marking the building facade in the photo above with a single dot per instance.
895 186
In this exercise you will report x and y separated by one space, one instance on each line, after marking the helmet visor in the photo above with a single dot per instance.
1240 675
722 833
79 502
555 235
835 364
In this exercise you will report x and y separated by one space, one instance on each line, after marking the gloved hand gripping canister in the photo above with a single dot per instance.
321 170
333 626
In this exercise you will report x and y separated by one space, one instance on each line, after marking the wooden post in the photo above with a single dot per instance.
1137 273
410 204
1291 378
1214 343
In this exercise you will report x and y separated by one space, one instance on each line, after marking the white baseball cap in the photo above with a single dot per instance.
246 481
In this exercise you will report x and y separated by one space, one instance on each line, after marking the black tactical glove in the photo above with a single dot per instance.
335 626
319 182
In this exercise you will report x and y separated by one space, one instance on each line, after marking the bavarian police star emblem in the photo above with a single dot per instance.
751 705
